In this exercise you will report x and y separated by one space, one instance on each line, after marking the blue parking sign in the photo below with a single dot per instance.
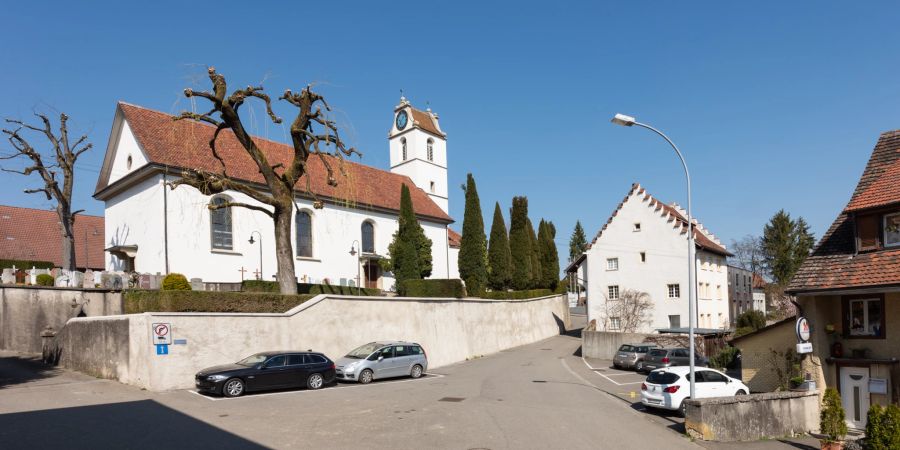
162 349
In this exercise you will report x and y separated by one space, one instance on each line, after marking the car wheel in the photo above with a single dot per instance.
365 377
234 387
639 367
315 381
416 371
740 392
682 410
616 366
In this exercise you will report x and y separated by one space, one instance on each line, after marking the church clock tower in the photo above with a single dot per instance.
419 151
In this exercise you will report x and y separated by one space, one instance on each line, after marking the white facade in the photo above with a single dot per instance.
643 247
171 230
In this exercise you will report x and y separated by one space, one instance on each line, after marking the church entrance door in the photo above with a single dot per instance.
373 273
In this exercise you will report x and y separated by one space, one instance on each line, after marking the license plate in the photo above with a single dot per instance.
654 401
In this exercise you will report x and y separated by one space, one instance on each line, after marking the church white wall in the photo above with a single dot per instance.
666 255
417 166
127 146
190 251
454 266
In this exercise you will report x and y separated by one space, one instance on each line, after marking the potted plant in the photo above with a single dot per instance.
832 424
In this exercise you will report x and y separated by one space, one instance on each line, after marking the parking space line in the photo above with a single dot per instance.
429 376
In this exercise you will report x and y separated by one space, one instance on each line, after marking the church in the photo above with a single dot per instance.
151 228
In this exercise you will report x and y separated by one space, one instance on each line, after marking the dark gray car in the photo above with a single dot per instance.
669 357
631 356
377 360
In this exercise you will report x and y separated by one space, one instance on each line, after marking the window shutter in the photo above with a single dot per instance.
867 231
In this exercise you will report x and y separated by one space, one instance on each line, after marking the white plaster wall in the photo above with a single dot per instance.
666 255
135 218
454 263
417 167
126 146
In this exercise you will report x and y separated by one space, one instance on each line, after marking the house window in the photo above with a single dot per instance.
615 323
892 230
864 316
612 264
368 237
220 224
643 256
432 187
719 291
637 226
613 292
128 163
675 321
430 147
403 146
304 234
674 290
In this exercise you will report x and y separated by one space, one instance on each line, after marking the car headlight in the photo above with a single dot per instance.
350 367
217 377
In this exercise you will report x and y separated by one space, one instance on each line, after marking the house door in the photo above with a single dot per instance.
855 395
373 272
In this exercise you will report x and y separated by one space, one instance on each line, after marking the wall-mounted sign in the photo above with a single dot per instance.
804 347
161 333
803 330
877 386
162 349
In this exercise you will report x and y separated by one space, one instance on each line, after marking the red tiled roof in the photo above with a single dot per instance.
759 282
454 238
834 264
425 121
880 182
36 235
185 144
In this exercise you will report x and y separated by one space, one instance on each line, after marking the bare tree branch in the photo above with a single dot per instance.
213 207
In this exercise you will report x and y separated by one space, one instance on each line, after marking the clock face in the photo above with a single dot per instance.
401 120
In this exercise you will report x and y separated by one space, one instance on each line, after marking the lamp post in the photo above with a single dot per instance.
358 255
628 121
260 252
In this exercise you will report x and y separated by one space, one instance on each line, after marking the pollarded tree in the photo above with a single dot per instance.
498 253
310 132
473 246
411 249
578 242
63 154
537 274
519 244
549 254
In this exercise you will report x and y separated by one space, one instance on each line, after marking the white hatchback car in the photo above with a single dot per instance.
668 388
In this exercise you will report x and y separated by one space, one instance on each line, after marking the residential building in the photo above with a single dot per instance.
849 289
643 248
760 295
746 292
36 235
152 228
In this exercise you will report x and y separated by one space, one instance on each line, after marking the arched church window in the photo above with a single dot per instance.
368 237
403 144
304 234
430 149
220 224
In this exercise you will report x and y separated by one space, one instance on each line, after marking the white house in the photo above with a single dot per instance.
643 247
151 228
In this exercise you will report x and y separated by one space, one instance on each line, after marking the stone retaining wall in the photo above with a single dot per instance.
752 417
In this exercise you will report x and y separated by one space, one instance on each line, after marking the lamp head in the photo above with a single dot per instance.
622 119
352 250
251 239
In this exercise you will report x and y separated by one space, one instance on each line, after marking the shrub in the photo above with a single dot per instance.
883 427
724 358
25 264
175 282
751 319
517 295
137 301
307 288
431 288
45 280
831 420
742 331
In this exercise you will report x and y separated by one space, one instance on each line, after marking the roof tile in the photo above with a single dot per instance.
36 235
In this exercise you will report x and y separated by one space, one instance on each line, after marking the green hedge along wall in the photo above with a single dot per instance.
432 288
25 264
306 288
137 301
518 295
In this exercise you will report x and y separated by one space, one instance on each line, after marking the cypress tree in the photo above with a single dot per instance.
537 274
498 253
578 242
473 246
519 248
411 249
549 254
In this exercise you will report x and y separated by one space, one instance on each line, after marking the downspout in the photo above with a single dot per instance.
165 221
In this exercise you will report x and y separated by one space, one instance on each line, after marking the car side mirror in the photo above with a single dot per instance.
380 357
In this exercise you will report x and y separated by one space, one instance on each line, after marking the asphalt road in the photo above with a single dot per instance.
537 396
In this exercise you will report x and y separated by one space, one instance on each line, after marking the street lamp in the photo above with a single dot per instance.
628 121
260 252
358 255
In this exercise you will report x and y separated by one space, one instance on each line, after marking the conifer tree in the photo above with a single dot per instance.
537 275
473 246
411 249
578 242
549 254
519 244
498 253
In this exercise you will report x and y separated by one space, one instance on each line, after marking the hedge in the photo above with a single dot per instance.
307 288
45 280
432 288
517 295
175 282
25 264
139 301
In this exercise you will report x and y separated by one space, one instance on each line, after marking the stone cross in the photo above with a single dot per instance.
258 274
242 270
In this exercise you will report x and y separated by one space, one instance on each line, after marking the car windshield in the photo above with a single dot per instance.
364 351
252 360
626 348
662 378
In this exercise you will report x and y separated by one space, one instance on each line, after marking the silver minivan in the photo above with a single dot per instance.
378 360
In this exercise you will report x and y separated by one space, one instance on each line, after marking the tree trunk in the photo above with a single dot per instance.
68 242
284 251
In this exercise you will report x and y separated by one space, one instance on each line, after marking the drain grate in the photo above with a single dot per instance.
452 399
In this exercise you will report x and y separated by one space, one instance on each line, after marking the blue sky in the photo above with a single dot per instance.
775 104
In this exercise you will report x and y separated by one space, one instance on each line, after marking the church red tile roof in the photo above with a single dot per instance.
36 235
454 238
834 264
425 121
185 144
